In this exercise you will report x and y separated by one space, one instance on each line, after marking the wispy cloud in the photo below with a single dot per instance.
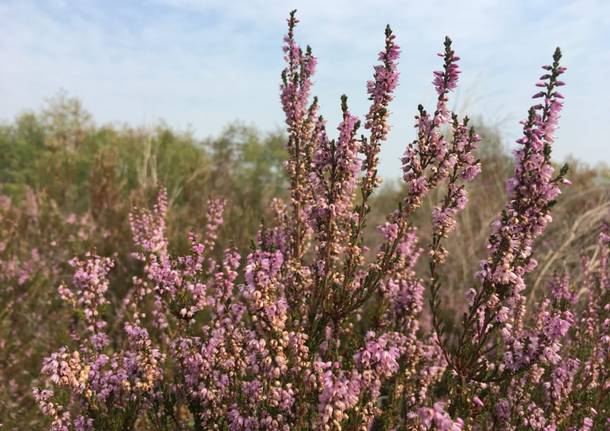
205 63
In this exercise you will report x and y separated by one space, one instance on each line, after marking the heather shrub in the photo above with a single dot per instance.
67 187
37 241
320 326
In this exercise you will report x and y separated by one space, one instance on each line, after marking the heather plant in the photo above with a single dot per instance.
63 197
314 329
37 239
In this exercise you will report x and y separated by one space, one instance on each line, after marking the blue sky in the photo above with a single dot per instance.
200 64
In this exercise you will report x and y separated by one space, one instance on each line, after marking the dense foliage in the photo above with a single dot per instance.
316 309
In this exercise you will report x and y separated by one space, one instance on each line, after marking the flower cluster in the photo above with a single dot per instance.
103 380
498 305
